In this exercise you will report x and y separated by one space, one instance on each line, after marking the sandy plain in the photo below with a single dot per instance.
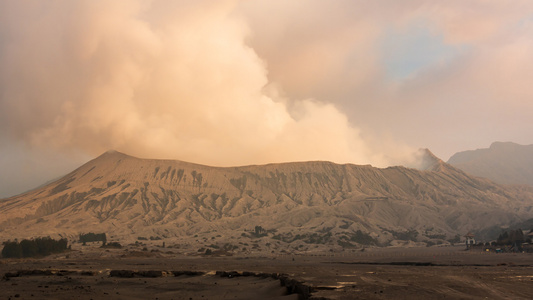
90 272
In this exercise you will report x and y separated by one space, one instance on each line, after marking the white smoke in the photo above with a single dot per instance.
157 79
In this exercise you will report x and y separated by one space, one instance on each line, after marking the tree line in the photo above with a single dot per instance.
513 237
93 237
35 247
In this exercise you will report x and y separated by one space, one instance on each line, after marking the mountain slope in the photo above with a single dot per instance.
505 163
129 197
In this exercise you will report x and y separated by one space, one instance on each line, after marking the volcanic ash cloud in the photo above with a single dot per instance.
159 79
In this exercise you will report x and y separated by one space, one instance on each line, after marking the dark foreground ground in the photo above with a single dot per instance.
413 273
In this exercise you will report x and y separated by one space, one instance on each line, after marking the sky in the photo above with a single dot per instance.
228 83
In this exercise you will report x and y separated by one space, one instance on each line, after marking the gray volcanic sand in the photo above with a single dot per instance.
394 273
182 287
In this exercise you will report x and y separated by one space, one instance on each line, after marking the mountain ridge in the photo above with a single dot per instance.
129 197
502 162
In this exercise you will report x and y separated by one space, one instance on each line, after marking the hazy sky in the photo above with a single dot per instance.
249 82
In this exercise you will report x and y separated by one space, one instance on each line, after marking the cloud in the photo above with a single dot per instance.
447 75
158 79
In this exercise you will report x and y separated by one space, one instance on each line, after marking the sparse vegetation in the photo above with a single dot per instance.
410 235
436 236
346 225
93 237
230 247
239 183
111 183
345 244
31 248
115 245
456 239
308 238
513 237
62 186
196 178
259 231
357 237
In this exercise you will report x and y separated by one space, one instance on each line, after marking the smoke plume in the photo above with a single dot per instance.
158 79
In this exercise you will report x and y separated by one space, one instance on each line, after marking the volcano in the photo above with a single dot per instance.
316 203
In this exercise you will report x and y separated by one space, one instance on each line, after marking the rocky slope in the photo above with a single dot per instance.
505 163
297 204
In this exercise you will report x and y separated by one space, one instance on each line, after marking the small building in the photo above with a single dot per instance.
469 239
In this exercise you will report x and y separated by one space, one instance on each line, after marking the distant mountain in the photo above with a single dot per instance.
298 206
505 163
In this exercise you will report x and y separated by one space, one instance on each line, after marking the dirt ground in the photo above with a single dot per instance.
388 273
